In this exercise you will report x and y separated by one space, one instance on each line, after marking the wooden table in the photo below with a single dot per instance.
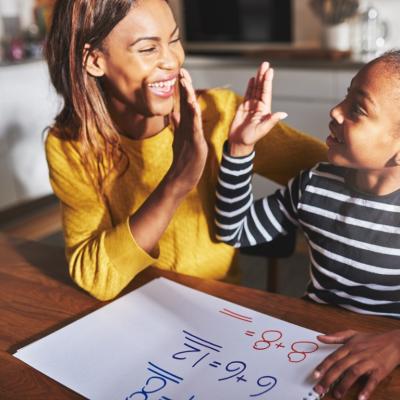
37 297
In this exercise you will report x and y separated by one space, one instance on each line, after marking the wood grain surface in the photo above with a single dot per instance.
37 297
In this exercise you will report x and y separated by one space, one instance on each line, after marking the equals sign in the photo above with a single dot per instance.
249 333
215 364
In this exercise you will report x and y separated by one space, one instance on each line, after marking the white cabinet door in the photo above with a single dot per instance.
233 78
8 193
28 105
307 116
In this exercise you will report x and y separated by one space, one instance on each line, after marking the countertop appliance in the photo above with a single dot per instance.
231 25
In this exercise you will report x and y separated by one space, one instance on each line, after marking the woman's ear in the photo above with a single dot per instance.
93 61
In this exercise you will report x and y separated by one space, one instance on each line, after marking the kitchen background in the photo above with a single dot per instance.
312 74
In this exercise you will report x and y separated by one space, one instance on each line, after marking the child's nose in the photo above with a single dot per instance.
336 113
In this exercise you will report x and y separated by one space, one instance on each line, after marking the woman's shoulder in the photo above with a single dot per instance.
218 100
59 148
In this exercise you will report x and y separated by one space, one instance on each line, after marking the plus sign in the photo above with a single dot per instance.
241 378
278 345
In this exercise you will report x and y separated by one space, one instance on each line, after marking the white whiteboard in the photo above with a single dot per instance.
165 341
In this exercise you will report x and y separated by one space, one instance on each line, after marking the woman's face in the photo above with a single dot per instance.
141 60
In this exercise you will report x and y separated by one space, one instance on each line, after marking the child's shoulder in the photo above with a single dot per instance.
325 171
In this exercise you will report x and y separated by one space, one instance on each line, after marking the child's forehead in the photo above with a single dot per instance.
380 77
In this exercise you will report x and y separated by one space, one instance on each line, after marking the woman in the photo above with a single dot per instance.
136 186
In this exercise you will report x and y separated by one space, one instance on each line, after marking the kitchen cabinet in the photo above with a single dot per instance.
28 104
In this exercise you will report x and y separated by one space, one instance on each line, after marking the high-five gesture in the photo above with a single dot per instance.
254 119
189 146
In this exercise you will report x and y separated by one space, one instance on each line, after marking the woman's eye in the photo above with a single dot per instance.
176 40
147 50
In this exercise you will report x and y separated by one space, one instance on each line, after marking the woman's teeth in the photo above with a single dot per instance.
166 85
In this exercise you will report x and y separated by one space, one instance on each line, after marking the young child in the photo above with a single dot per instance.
348 209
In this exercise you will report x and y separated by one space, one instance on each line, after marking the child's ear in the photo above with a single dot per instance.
93 61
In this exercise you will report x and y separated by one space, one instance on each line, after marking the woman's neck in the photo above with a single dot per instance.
137 126
379 182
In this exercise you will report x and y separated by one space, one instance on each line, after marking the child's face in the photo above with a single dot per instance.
142 59
365 126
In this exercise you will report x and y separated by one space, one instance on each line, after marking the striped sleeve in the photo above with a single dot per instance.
241 221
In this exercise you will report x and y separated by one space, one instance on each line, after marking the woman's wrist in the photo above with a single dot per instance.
174 187
239 150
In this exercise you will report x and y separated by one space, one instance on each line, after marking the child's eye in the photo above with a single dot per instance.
357 110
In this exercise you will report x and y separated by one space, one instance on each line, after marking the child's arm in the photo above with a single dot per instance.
374 355
239 221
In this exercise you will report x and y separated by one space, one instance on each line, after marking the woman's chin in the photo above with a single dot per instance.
162 108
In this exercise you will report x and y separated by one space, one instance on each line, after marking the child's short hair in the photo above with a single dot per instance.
391 59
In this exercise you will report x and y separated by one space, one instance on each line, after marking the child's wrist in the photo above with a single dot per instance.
239 150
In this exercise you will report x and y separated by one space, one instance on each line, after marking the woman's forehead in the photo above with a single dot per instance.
146 17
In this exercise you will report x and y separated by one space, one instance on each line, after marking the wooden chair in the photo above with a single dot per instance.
280 247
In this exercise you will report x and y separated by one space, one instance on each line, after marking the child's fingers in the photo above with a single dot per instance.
338 371
249 89
268 122
266 94
338 337
260 79
373 380
350 377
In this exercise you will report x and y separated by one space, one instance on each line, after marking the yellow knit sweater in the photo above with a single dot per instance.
102 254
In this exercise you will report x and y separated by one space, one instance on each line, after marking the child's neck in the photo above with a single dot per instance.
379 182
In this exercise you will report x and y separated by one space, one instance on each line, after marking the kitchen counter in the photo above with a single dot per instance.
234 61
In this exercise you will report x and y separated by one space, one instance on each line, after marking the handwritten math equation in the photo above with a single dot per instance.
197 351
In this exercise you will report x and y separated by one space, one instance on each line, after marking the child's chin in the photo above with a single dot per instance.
335 159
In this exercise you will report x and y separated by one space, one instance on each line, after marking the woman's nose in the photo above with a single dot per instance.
169 59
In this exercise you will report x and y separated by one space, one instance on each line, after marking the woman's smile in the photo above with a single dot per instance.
163 88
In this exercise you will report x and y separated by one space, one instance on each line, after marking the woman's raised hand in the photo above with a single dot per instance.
254 119
189 146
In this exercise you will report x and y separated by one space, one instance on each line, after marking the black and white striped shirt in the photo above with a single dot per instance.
353 237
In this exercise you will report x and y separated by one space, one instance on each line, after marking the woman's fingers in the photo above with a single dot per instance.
189 101
176 111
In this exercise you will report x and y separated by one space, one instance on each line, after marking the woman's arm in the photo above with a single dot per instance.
105 256
189 156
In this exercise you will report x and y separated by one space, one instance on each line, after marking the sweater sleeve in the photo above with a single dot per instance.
103 257
241 221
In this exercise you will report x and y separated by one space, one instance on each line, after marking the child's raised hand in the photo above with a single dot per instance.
362 354
253 119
